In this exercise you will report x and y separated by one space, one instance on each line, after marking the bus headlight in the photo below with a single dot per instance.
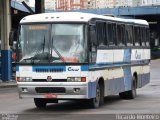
76 79
24 79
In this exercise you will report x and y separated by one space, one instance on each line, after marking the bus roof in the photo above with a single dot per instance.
74 17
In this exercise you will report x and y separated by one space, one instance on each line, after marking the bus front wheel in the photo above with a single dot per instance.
40 103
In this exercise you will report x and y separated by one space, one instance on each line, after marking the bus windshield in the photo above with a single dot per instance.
52 43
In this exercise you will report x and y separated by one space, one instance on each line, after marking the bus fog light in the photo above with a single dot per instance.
70 79
76 90
24 90
28 79
75 79
22 79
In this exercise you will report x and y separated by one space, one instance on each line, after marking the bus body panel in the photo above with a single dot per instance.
117 75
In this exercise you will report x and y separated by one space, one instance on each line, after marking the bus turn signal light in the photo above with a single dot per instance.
17 79
83 79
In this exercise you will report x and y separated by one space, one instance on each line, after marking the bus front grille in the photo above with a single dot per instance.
46 70
50 90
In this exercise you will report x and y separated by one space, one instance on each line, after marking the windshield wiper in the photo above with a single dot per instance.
40 53
60 56
31 58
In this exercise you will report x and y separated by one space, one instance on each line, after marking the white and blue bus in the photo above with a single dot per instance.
81 56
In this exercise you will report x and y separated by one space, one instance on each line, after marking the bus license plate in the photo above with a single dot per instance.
50 95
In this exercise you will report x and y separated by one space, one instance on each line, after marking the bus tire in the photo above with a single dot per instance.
95 102
40 102
101 84
131 94
122 95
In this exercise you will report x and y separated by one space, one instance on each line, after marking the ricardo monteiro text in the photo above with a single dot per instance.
125 117
148 117
137 117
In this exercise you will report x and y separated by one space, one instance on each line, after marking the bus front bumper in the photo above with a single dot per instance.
74 90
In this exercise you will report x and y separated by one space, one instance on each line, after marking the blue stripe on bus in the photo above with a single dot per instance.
118 64
127 70
34 68
127 55
127 78
92 89
94 66
17 68
84 68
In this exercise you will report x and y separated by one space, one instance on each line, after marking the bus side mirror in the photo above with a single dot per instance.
11 37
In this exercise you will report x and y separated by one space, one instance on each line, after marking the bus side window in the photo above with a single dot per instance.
101 33
114 28
107 33
147 37
111 34
120 35
129 35
137 35
143 35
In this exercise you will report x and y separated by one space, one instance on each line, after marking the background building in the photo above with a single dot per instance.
133 3
127 3
50 4
136 2
91 4
100 4
150 2
67 5
110 3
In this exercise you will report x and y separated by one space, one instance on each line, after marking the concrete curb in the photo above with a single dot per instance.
8 84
